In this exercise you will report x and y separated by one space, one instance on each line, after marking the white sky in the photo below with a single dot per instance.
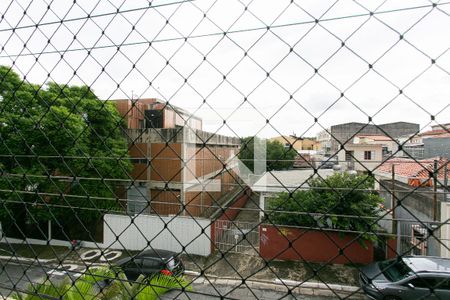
268 51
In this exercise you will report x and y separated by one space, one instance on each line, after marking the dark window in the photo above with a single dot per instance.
394 270
369 155
154 118
349 155
425 283
151 263
136 263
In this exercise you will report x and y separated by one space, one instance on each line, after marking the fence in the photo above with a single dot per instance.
162 121
181 234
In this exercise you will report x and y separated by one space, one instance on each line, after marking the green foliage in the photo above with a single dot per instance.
86 288
329 204
50 136
277 156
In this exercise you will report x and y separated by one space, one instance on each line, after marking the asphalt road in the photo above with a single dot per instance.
16 276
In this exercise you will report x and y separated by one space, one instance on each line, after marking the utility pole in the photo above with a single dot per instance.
393 202
435 182
445 180
395 228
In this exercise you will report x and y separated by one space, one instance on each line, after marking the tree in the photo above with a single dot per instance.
341 201
58 144
277 156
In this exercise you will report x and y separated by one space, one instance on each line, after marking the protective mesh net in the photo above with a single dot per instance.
233 149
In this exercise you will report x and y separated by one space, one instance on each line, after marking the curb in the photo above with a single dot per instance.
283 285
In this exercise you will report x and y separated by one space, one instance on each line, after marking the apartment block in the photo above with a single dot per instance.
177 167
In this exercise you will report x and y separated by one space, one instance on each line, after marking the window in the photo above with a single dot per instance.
369 155
151 263
133 264
419 239
424 283
394 270
349 155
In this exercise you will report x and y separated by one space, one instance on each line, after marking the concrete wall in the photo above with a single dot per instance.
434 147
134 233
343 132
416 209
287 243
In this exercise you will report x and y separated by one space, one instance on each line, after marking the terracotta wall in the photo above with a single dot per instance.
166 163
204 161
138 155
287 243
165 202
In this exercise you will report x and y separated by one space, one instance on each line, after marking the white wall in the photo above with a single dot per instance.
134 236
361 164
445 229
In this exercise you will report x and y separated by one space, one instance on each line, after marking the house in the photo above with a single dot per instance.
360 157
176 164
298 143
272 183
388 144
324 141
431 143
344 133
417 190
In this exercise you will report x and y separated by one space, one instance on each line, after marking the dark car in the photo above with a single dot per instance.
409 277
151 262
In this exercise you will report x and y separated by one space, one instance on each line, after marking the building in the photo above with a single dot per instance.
298 143
270 184
431 143
388 144
175 163
324 141
417 191
344 133
360 157
437 146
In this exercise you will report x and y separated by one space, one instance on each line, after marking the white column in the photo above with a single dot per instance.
261 206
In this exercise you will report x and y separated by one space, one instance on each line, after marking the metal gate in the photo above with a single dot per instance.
236 236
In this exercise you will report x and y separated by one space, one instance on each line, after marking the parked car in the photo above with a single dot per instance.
327 164
151 262
409 277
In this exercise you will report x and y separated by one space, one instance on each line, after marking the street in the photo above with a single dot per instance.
17 276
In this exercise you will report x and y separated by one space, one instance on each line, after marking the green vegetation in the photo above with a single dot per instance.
277 156
53 140
333 200
86 287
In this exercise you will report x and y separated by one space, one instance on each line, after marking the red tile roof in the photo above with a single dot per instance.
434 132
410 168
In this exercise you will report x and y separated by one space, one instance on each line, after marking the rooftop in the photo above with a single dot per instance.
410 168
289 180
374 137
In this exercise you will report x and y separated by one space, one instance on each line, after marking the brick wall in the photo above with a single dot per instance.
285 243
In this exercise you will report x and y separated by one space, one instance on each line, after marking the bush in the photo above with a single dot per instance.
341 201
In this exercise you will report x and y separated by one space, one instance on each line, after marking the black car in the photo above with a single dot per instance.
151 262
409 277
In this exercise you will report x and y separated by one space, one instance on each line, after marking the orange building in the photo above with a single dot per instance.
176 164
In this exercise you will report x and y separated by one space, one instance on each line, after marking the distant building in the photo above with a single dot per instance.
175 163
298 143
324 141
431 143
360 157
388 144
417 204
344 133
437 146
